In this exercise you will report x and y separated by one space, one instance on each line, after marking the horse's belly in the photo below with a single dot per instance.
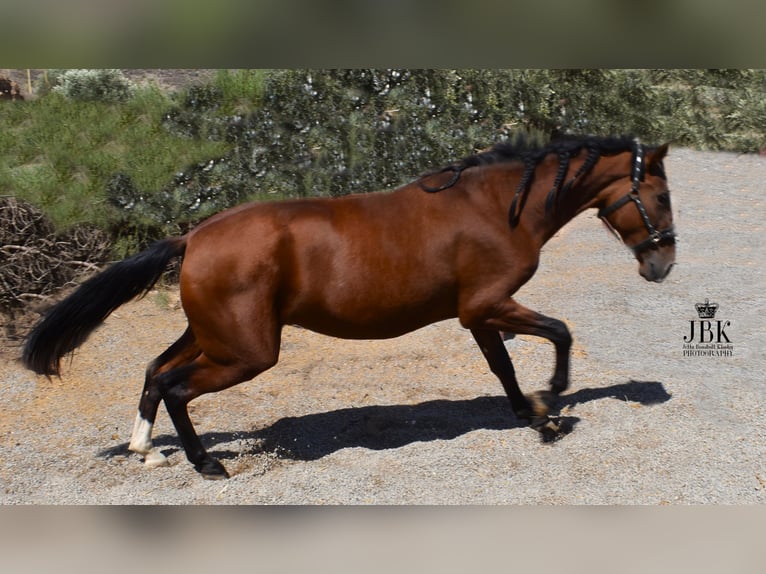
372 317
356 330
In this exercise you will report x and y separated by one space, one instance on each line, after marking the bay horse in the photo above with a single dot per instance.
457 242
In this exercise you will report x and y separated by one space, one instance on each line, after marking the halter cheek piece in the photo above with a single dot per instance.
637 176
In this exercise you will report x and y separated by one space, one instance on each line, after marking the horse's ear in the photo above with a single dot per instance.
657 154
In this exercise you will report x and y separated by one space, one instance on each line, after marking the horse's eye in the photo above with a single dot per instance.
664 199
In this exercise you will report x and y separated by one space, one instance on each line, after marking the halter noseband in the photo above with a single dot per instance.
637 176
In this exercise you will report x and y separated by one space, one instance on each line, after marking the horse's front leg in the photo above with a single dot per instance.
511 317
533 408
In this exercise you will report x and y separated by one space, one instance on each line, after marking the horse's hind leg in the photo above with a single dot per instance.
183 351
183 384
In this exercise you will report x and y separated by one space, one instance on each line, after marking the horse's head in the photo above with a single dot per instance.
637 209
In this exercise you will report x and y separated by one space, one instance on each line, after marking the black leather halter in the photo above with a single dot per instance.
637 176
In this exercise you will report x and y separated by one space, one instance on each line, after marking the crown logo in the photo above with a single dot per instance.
706 310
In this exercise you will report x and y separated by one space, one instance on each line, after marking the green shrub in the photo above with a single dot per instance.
332 132
61 155
152 164
94 85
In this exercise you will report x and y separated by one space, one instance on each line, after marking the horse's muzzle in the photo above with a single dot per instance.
653 271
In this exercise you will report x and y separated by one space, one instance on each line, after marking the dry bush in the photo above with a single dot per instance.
9 90
37 262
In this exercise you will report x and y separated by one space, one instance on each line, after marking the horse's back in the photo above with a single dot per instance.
359 266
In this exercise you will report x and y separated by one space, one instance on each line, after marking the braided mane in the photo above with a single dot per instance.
531 154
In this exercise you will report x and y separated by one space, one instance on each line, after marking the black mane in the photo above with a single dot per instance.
528 151
531 154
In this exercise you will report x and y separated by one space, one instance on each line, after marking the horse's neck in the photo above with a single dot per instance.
573 197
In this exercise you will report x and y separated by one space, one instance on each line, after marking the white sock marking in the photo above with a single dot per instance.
141 439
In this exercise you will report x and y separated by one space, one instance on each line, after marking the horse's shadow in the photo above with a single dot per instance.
313 436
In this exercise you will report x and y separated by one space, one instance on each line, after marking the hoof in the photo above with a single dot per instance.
538 406
211 469
550 430
155 458
536 413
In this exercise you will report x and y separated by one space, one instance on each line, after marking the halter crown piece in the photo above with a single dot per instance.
638 173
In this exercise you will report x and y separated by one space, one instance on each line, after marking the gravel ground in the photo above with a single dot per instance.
419 419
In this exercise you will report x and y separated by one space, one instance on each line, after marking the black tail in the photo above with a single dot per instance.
68 324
